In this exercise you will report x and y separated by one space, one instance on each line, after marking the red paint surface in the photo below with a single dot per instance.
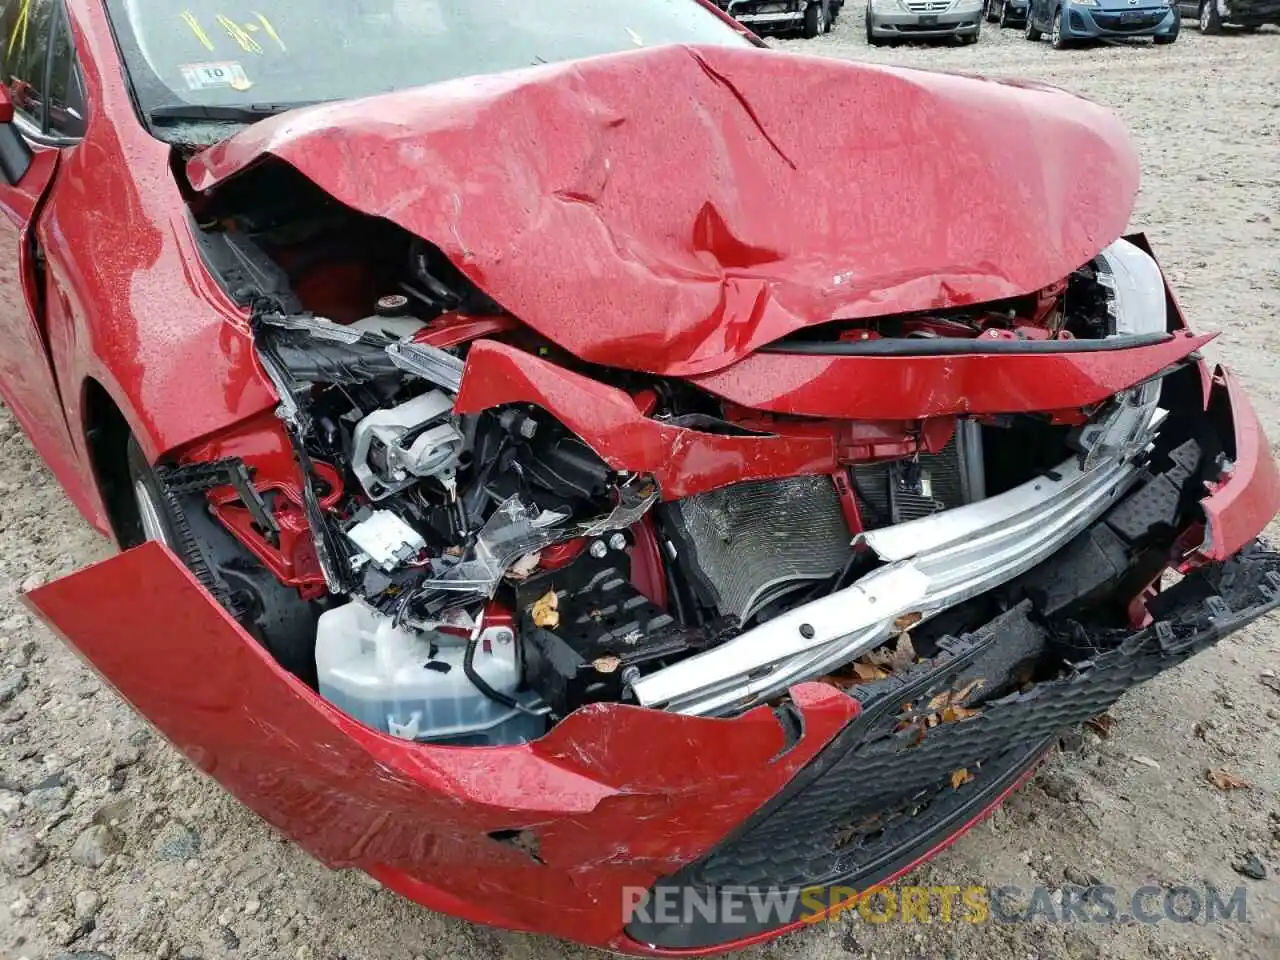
1246 499
901 387
26 372
129 305
683 238
566 196
262 445
648 573
453 329
616 795
681 460
418 817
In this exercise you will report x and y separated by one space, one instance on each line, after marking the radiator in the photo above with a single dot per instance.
750 543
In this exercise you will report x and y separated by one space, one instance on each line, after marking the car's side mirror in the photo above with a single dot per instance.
15 152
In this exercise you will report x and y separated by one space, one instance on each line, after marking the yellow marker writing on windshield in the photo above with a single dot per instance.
271 31
190 20
20 28
240 35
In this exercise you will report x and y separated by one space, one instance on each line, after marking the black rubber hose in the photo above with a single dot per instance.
876 516
469 668
674 596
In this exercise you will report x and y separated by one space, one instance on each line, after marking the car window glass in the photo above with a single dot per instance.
66 89
24 35
229 52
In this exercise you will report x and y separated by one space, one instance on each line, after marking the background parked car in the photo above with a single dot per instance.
807 17
1248 14
1007 13
1068 21
889 20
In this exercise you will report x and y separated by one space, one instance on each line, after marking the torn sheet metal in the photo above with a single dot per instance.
515 530
654 238
682 460
317 350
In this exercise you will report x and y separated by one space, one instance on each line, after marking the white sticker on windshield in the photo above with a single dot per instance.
212 76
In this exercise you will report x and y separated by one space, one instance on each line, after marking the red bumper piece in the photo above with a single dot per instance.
1247 497
683 461
899 388
612 797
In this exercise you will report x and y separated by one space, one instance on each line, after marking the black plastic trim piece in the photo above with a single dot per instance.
15 154
736 901
962 346
880 796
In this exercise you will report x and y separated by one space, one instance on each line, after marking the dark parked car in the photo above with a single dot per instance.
1069 21
1007 13
1249 14
806 17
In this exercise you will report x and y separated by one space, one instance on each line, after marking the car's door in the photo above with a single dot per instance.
37 68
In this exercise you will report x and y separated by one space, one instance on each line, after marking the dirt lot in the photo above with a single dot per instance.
185 872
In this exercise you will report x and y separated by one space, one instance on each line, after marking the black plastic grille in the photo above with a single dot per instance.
882 789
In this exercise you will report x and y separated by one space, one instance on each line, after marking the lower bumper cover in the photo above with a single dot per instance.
1250 12
1086 24
766 14
923 25
880 796
550 836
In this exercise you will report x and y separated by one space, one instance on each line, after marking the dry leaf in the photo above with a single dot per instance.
904 652
868 672
956 713
900 657
880 657
546 610
959 778
606 664
1102 724
907 621
1225 781
949 697
524 568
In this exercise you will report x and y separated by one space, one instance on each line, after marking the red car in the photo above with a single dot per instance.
593 474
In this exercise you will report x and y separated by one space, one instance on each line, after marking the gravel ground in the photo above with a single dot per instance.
114 847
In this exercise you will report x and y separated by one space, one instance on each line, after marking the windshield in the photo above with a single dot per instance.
258 55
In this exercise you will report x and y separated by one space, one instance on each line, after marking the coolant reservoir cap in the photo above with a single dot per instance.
392 305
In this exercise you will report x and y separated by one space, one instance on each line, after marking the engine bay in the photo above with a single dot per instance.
478 572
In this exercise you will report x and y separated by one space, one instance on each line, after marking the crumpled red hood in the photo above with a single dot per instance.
672 210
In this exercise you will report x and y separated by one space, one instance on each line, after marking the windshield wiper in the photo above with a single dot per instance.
234 113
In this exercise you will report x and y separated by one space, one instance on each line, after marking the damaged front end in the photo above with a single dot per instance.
501 535
502 546
779 549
